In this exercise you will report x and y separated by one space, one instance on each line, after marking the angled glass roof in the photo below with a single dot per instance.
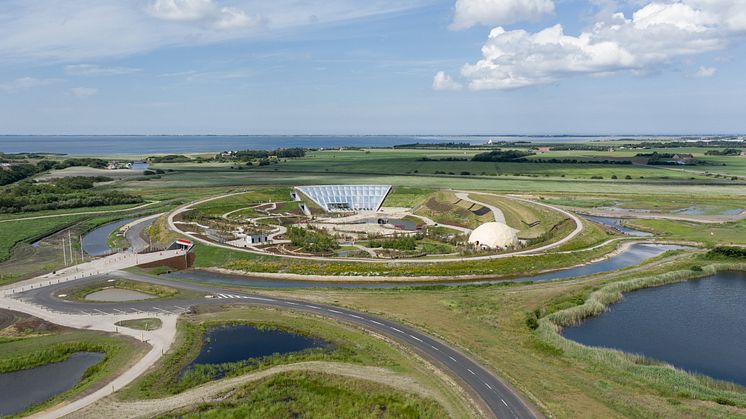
341 198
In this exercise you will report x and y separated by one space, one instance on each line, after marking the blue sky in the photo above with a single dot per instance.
372 67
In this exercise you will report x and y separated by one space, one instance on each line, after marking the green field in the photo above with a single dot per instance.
491 322
350 345
315 395
29 342
709 234
509 328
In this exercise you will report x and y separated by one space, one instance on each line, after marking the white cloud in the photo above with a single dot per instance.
205 11
655 35
96 70
84 92
443 81
24 83
81 30
706 71
469 13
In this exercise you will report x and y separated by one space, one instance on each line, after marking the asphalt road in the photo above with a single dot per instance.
495 396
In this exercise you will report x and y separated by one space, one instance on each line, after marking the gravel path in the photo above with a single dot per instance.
497 212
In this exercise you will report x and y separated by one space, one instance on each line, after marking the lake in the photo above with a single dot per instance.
22 389
696 325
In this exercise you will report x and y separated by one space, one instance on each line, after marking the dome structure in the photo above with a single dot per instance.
494 235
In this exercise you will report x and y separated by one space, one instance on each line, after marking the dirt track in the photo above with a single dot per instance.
216 390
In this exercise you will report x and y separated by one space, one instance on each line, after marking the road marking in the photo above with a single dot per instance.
452 358
506 405
435 347
222 296
291 303
415 338
259 298
488 386
334 311
162 310
102 312
470 371
354 315
310 306
123 312
378 323
181 308
393 328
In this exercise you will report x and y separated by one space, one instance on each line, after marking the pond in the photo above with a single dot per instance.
234 343
96 242
22 389
633 255
696 325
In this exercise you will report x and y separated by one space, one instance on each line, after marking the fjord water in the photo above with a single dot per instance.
19 390
85 145
234 343
696 325
633 255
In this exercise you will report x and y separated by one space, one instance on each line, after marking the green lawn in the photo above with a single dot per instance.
52 345
349 345
315 395
221 206
150 323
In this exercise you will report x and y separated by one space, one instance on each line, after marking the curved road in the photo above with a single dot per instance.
494 396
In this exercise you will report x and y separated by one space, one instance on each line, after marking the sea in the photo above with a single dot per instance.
138 145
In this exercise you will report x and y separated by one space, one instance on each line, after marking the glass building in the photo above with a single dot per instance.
345 198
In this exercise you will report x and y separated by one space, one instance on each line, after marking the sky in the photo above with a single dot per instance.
372 67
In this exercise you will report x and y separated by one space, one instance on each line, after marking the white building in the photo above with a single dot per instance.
494 235
346 198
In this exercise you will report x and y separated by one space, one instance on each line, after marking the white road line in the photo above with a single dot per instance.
181 308
395 329
334 311
506 405
162 310
102 312
378 323
291 303
310 306
123 312
355 316
452 358
222 296
415 338
259 298
488 386
471 372
435 347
